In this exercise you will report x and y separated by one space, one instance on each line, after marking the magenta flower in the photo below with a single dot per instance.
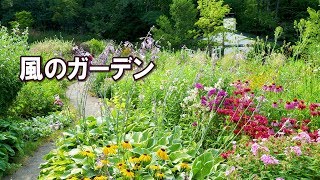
199 86
212 92
269 160
289 105
222 93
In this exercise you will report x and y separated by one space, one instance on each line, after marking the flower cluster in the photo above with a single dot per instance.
269 160
272 88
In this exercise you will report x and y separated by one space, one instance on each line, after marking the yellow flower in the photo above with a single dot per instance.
184 165
113 146
145 158
162 154
134 160
137 166
154 167
73 178
121 166
105 162
86 179
160 175
109 150
87 153
126 145
100 178
127 173
101 163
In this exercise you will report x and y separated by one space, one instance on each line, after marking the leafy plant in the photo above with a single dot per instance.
13 45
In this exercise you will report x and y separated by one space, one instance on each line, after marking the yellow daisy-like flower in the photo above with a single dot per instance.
154 167
162 154
114 146
100 178
160 175
87 153
86 179
109 150
145 158
126 145
127 173
134 160
184 165
137 166
121 166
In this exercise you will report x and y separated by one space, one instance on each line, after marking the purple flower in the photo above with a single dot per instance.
269 160
212 92
222 93
204 101
199 86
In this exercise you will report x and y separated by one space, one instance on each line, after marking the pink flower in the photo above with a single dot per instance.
279 178
275 105
269 160
254 148
194 124
289 105
296 150
303 136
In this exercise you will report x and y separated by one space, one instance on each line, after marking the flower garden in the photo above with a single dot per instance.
193 117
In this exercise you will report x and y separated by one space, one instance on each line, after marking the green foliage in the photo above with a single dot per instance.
37 99
15 136
292 164
211 17
10 144
95 46
309 31
177 29
94 152
13 45
24 19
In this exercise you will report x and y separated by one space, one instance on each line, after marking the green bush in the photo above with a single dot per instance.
94 46
37 99
23 18
10 144
13 45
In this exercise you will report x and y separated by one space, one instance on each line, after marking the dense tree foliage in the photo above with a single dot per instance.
131 19
261 17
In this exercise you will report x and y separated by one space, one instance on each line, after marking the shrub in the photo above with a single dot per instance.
37 99
94 46
23 18
13 45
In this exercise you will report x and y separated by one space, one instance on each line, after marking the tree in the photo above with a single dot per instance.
177 29
211 18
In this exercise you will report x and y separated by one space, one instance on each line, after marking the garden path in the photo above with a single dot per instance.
30 170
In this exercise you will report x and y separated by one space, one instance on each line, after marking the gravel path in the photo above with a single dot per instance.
30 170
